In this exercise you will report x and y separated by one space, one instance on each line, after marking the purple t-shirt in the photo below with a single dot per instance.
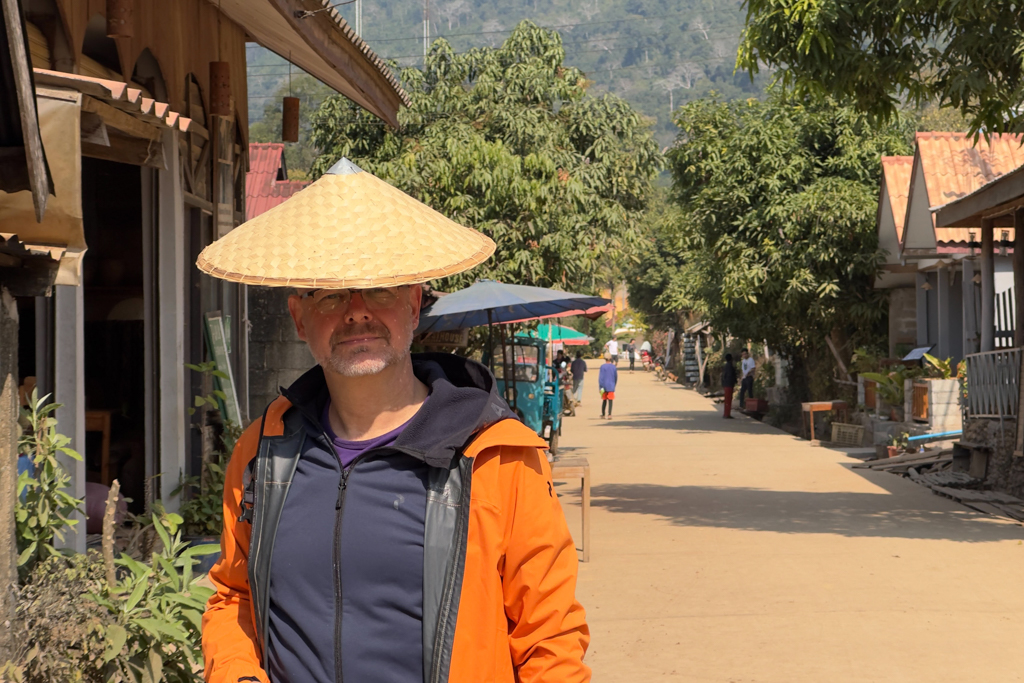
348 451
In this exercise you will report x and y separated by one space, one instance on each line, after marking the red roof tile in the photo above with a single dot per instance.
896 171
266 183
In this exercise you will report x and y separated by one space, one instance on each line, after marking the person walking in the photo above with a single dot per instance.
352 548
747 367
611 347
631 353
607 378
578 369
728 384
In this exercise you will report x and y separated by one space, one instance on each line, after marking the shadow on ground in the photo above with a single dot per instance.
694 422
801 512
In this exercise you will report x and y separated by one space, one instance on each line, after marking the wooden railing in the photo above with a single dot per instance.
992 383
869 393
920 410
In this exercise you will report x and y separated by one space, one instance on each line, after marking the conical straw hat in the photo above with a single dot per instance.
348 229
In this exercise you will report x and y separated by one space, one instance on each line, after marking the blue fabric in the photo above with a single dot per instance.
506 303
348 451
607 377
381 550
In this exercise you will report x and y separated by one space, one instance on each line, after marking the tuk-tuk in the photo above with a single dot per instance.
532 390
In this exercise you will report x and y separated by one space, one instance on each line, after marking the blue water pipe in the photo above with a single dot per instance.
939 435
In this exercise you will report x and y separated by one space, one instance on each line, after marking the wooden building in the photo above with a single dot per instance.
142 112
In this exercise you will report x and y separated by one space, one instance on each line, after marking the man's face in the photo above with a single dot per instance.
361 337
745 355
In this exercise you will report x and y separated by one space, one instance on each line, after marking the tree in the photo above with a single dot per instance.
776 234
880 53
508 141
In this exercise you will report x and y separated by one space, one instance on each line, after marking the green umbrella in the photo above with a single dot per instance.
558 333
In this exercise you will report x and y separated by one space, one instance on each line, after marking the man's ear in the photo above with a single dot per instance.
416 301
296 309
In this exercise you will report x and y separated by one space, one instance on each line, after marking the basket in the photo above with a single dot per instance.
847 435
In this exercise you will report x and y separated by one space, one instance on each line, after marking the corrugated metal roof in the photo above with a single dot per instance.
896 171
266 183
955 166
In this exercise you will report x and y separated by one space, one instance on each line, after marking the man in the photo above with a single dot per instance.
607 378
631 352
747 367
578 369
611 347
352 548
728 384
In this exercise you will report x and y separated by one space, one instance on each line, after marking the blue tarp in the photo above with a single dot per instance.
506 303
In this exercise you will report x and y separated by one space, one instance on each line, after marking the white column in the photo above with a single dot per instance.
970 319
922 309
69 391
171 322
943 308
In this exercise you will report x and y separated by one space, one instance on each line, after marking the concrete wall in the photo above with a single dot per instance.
1005 472
902 318
277 357
944 405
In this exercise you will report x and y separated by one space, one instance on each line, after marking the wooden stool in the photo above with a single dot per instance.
577 468
99 421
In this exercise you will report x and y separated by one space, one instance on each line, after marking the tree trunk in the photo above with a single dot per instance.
9 431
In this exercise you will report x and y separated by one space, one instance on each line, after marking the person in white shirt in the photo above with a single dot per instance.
747 367
611 347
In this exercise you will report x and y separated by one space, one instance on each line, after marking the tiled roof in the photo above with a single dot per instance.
955 166
266 183
896 171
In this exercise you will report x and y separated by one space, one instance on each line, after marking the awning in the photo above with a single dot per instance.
61 232
313 35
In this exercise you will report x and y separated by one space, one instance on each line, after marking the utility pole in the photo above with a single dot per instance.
426 27
359 17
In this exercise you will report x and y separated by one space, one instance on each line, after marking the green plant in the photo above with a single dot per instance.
943 367
889 387
864 360
202 512
899 441
156 612
44 507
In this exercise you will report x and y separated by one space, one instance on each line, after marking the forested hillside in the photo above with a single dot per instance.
656 54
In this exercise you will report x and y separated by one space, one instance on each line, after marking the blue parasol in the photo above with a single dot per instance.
488 302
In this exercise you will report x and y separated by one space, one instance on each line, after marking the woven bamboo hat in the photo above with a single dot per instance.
349 229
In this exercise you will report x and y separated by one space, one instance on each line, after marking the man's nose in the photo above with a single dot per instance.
357 310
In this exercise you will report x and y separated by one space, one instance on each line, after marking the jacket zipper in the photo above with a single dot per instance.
449 591
339 510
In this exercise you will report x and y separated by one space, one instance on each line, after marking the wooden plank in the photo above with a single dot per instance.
128 150
122 121
35 158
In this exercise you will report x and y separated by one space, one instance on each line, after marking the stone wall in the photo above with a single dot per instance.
1005 472
902 317
277 357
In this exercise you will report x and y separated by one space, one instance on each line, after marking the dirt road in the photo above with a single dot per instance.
728 551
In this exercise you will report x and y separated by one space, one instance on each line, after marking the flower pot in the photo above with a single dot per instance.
893 451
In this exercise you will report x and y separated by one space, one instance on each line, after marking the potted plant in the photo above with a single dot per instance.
897 444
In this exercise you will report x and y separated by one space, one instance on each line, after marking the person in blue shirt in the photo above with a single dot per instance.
607 378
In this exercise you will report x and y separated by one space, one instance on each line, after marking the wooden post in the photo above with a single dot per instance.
988 287
1018 276
9 431
970 315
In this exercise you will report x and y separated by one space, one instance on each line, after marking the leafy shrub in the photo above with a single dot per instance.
44 507
58 631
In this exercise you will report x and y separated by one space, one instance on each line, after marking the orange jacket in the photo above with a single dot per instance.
518 618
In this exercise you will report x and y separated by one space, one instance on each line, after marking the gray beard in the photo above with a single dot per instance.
363 367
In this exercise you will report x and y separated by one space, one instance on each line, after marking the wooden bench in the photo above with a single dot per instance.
577 468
